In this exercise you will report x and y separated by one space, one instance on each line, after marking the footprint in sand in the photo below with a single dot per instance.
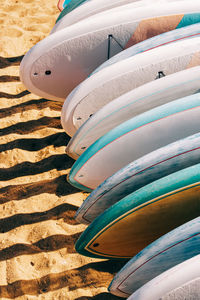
41 28
2 15
27 1
39 20
10 32
11 8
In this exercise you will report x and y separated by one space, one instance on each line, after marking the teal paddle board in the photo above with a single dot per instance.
140 218
135 138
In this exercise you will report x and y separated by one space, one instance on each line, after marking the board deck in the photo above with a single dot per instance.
131 104
58 63
157 164
134 222
178 283
119 78
135 138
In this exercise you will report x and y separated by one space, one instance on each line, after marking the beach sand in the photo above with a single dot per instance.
37 205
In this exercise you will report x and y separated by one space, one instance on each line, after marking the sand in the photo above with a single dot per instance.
37 205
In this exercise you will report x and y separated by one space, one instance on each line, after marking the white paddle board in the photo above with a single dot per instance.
54 66
178 283
125 75
92 7
131 104
134 138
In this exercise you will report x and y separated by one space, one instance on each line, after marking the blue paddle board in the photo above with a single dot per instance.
157 164
178 283
168 251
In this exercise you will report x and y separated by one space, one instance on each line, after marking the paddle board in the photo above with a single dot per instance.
179 282
131 104
134 138
171 249
92 7
123 76
54 66
157 164
139 219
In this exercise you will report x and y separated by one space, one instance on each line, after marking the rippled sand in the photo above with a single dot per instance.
37 205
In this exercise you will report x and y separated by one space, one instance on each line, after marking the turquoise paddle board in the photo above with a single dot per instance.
140 218
157 164
135 138
168 251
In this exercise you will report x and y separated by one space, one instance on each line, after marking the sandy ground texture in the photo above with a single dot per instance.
37 205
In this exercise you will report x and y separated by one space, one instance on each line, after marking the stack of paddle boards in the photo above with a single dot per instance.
128 72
